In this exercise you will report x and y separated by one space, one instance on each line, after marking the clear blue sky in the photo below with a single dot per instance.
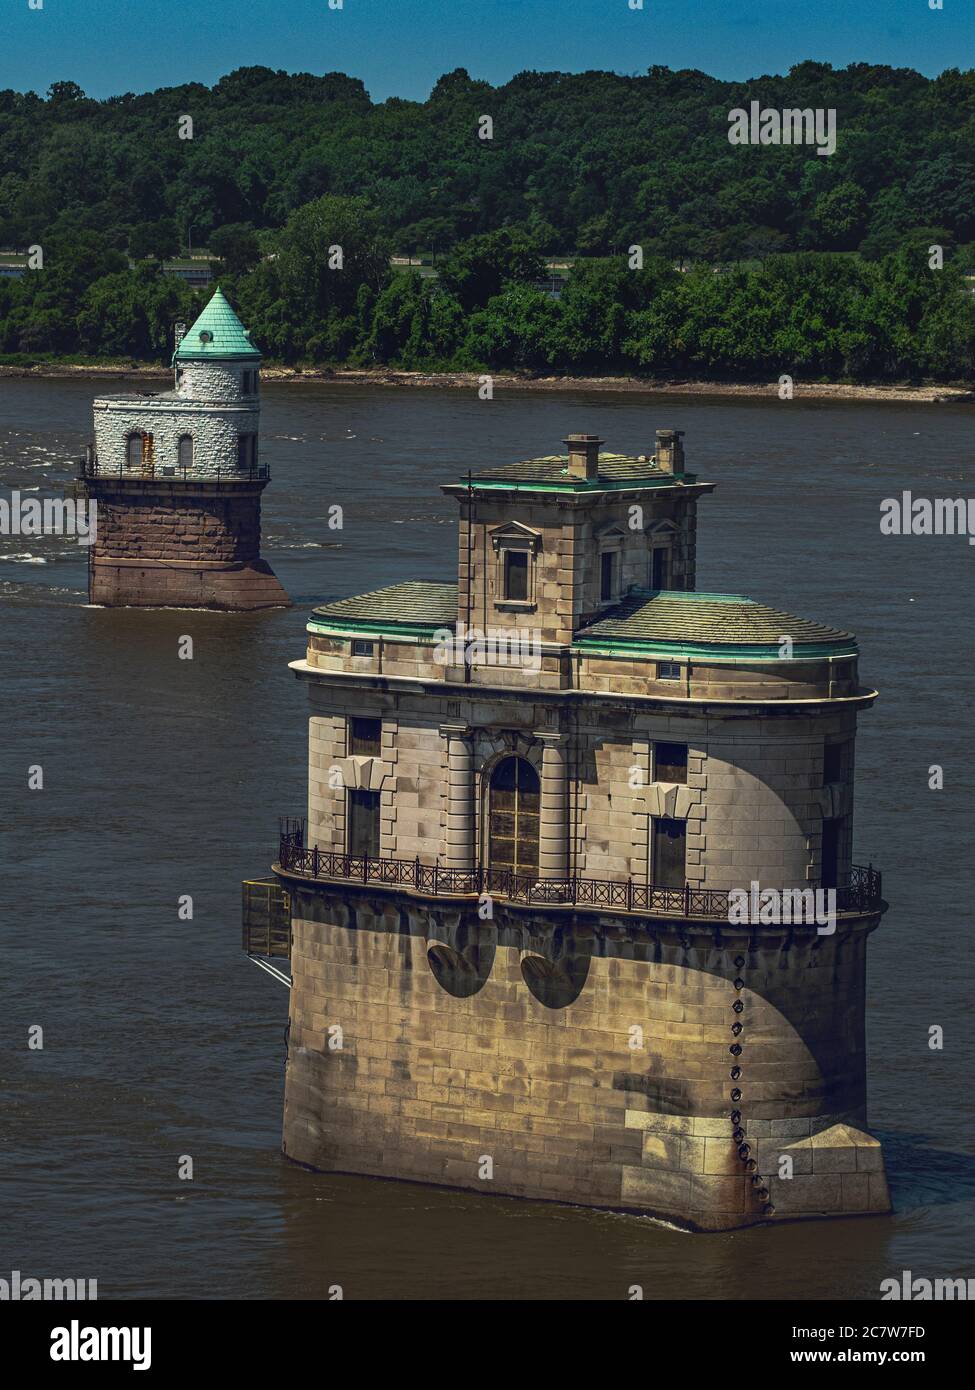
400 47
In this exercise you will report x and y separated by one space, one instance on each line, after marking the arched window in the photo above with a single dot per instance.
513 817
186 451
134 451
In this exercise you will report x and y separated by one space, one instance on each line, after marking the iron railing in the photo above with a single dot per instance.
89 467
860 893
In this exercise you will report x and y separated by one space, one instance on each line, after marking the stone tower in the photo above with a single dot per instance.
537 800
177 478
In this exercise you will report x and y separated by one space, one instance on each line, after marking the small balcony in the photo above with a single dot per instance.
859 894
89 467
266 918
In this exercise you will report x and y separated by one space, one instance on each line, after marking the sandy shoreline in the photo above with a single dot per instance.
470 381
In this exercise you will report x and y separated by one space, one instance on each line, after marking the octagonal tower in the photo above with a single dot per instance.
177 478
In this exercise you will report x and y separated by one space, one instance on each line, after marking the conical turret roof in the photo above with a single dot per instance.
217 333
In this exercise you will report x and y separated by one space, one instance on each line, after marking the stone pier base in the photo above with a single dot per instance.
117 583
180 543
690 1170
709 1075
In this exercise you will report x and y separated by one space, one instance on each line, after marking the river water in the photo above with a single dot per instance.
165 777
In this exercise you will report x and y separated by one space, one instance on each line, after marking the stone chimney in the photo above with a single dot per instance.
670 451
583 455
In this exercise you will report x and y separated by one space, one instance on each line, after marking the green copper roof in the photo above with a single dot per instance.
665 624
673 623
417 607
551 473
217 333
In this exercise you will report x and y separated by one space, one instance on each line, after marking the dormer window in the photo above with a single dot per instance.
610 542
516 548
608 576
660 569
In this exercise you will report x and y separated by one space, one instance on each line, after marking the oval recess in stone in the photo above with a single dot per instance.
556 984
453 971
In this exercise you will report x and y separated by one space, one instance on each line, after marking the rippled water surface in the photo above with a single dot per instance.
165 777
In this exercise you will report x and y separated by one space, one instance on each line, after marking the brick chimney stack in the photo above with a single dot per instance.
583 455
670 451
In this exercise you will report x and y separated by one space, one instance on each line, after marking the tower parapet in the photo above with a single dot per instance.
178 478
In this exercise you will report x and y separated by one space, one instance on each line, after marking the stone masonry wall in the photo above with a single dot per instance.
215 431
754 800
579 1057
214 382
148 525
566 560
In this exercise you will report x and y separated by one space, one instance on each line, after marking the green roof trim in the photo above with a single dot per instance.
668 651
217 334
586 484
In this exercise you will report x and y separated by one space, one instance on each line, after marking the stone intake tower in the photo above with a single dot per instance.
516 963
177 478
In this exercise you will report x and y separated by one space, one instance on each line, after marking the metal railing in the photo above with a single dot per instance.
89 467
860 893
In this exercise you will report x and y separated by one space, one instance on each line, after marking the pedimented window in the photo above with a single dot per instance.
516 548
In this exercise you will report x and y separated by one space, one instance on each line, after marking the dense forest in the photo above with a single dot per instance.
756 259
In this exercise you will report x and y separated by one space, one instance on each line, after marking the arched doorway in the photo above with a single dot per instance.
513 807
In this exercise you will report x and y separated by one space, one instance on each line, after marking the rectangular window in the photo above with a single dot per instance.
833 760
660 568
829 873
670 762
364 824
668 671
607 575
246 450
365 737
361 648
516 575
669 852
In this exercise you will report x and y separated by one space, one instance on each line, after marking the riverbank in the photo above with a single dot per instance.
471 381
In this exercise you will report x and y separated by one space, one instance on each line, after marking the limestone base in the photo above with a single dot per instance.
178 584
691 1172
581 1057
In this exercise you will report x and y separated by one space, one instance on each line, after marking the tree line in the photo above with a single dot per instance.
754 259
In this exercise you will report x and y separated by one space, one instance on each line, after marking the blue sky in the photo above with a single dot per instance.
400 47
